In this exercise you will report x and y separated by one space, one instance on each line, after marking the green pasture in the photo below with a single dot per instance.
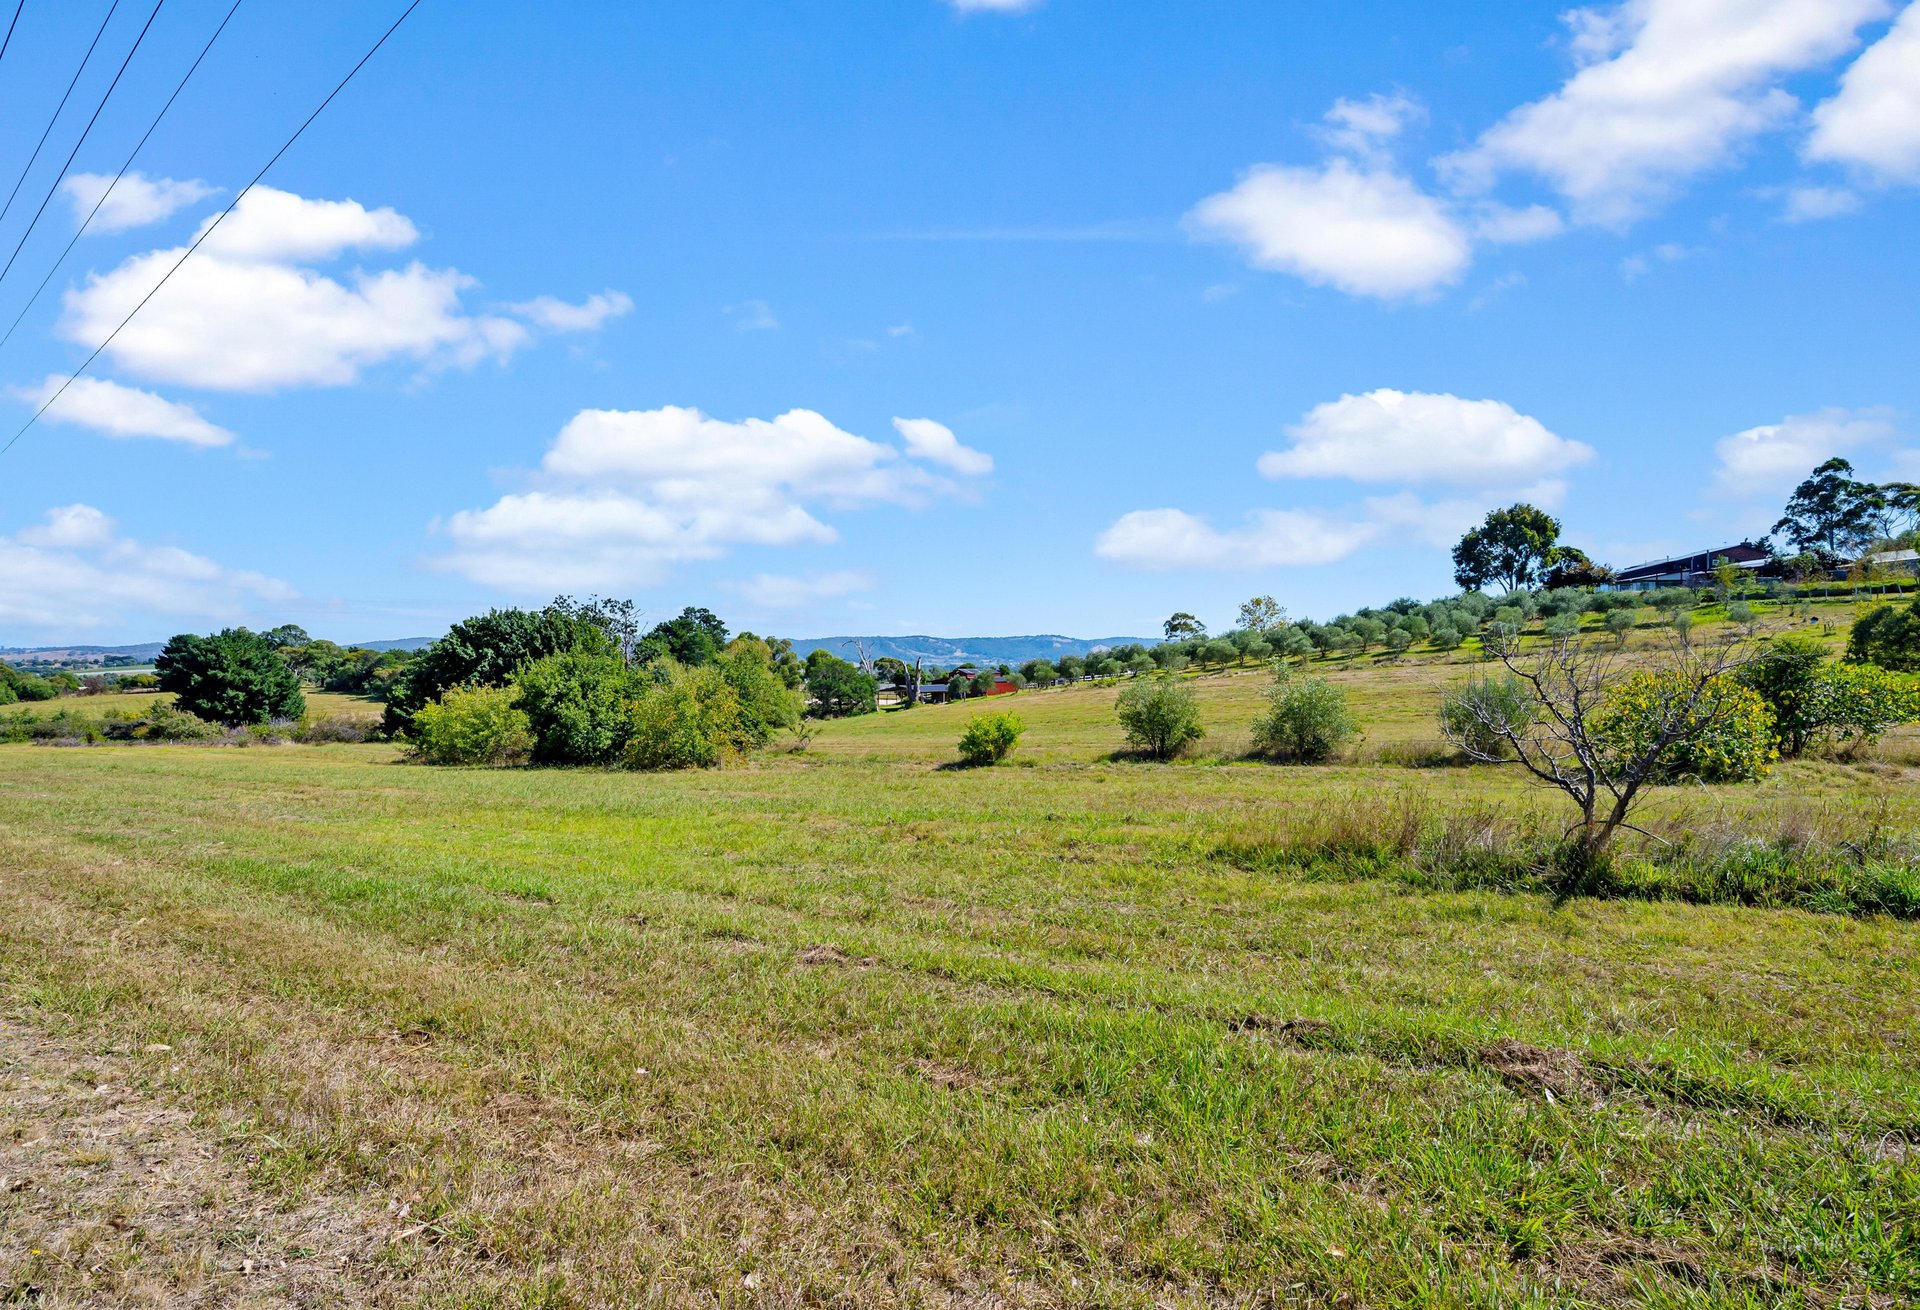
850 1026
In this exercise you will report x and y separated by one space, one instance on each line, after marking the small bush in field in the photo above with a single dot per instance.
1307 720
1482 716
336 728
990 737
472 725
167 722
1160 716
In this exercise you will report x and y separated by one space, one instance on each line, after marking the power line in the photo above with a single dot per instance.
62 105
211 227
10 26
84 133
74 240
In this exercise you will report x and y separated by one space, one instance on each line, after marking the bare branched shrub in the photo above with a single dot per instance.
1562 745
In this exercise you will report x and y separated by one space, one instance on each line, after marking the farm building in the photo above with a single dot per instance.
1687 570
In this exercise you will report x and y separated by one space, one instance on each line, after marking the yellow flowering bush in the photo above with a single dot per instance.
1726 735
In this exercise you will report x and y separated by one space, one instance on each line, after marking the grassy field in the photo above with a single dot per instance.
320 705
850 1026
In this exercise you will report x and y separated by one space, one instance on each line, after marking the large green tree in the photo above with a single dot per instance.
838 689
231 677
693 637
1832 511
1513 548
484 651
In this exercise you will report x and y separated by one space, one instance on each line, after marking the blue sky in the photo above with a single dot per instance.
925 316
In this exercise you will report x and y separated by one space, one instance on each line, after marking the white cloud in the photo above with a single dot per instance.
275 226
625 495
1873 123
1806 204
1667 89
1403 437
1164 540
1364 229
134 201
1364 127
243 314
935 443
772 591
1772 458
556 315
753 316
121 411
1504 226
993 6
73 571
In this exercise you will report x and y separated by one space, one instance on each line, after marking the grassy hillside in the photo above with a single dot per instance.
849 1026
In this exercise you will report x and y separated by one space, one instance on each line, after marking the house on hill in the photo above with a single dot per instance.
1688 570
935 693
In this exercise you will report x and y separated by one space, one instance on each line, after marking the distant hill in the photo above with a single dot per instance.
143 653
398 643
949 651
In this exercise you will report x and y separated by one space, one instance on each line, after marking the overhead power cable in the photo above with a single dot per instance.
212 227
84 133
117 178
10 26
57 108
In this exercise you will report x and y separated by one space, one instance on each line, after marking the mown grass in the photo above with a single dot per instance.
843 1026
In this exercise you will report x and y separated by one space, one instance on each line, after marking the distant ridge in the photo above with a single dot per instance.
397 643
948 651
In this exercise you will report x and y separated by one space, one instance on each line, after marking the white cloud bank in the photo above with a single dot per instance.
1666 89
1406 437
1771 459
772 591
622 496
74 571
1487 450
993 6
1873 122
248 312
134 202
120 411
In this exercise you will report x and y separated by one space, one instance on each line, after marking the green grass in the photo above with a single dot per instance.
134 704
848 1026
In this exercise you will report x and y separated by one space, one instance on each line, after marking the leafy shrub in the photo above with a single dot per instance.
472 725
1855 703
167 722
578 704
690 719
1888 637
1159 715
1472 716
1307 720
1620 622
485 651
1725 734
767 704
838 688
345 728
990 737
1786 676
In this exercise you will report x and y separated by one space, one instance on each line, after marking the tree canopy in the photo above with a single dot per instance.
1832 511
1513 547
231 677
